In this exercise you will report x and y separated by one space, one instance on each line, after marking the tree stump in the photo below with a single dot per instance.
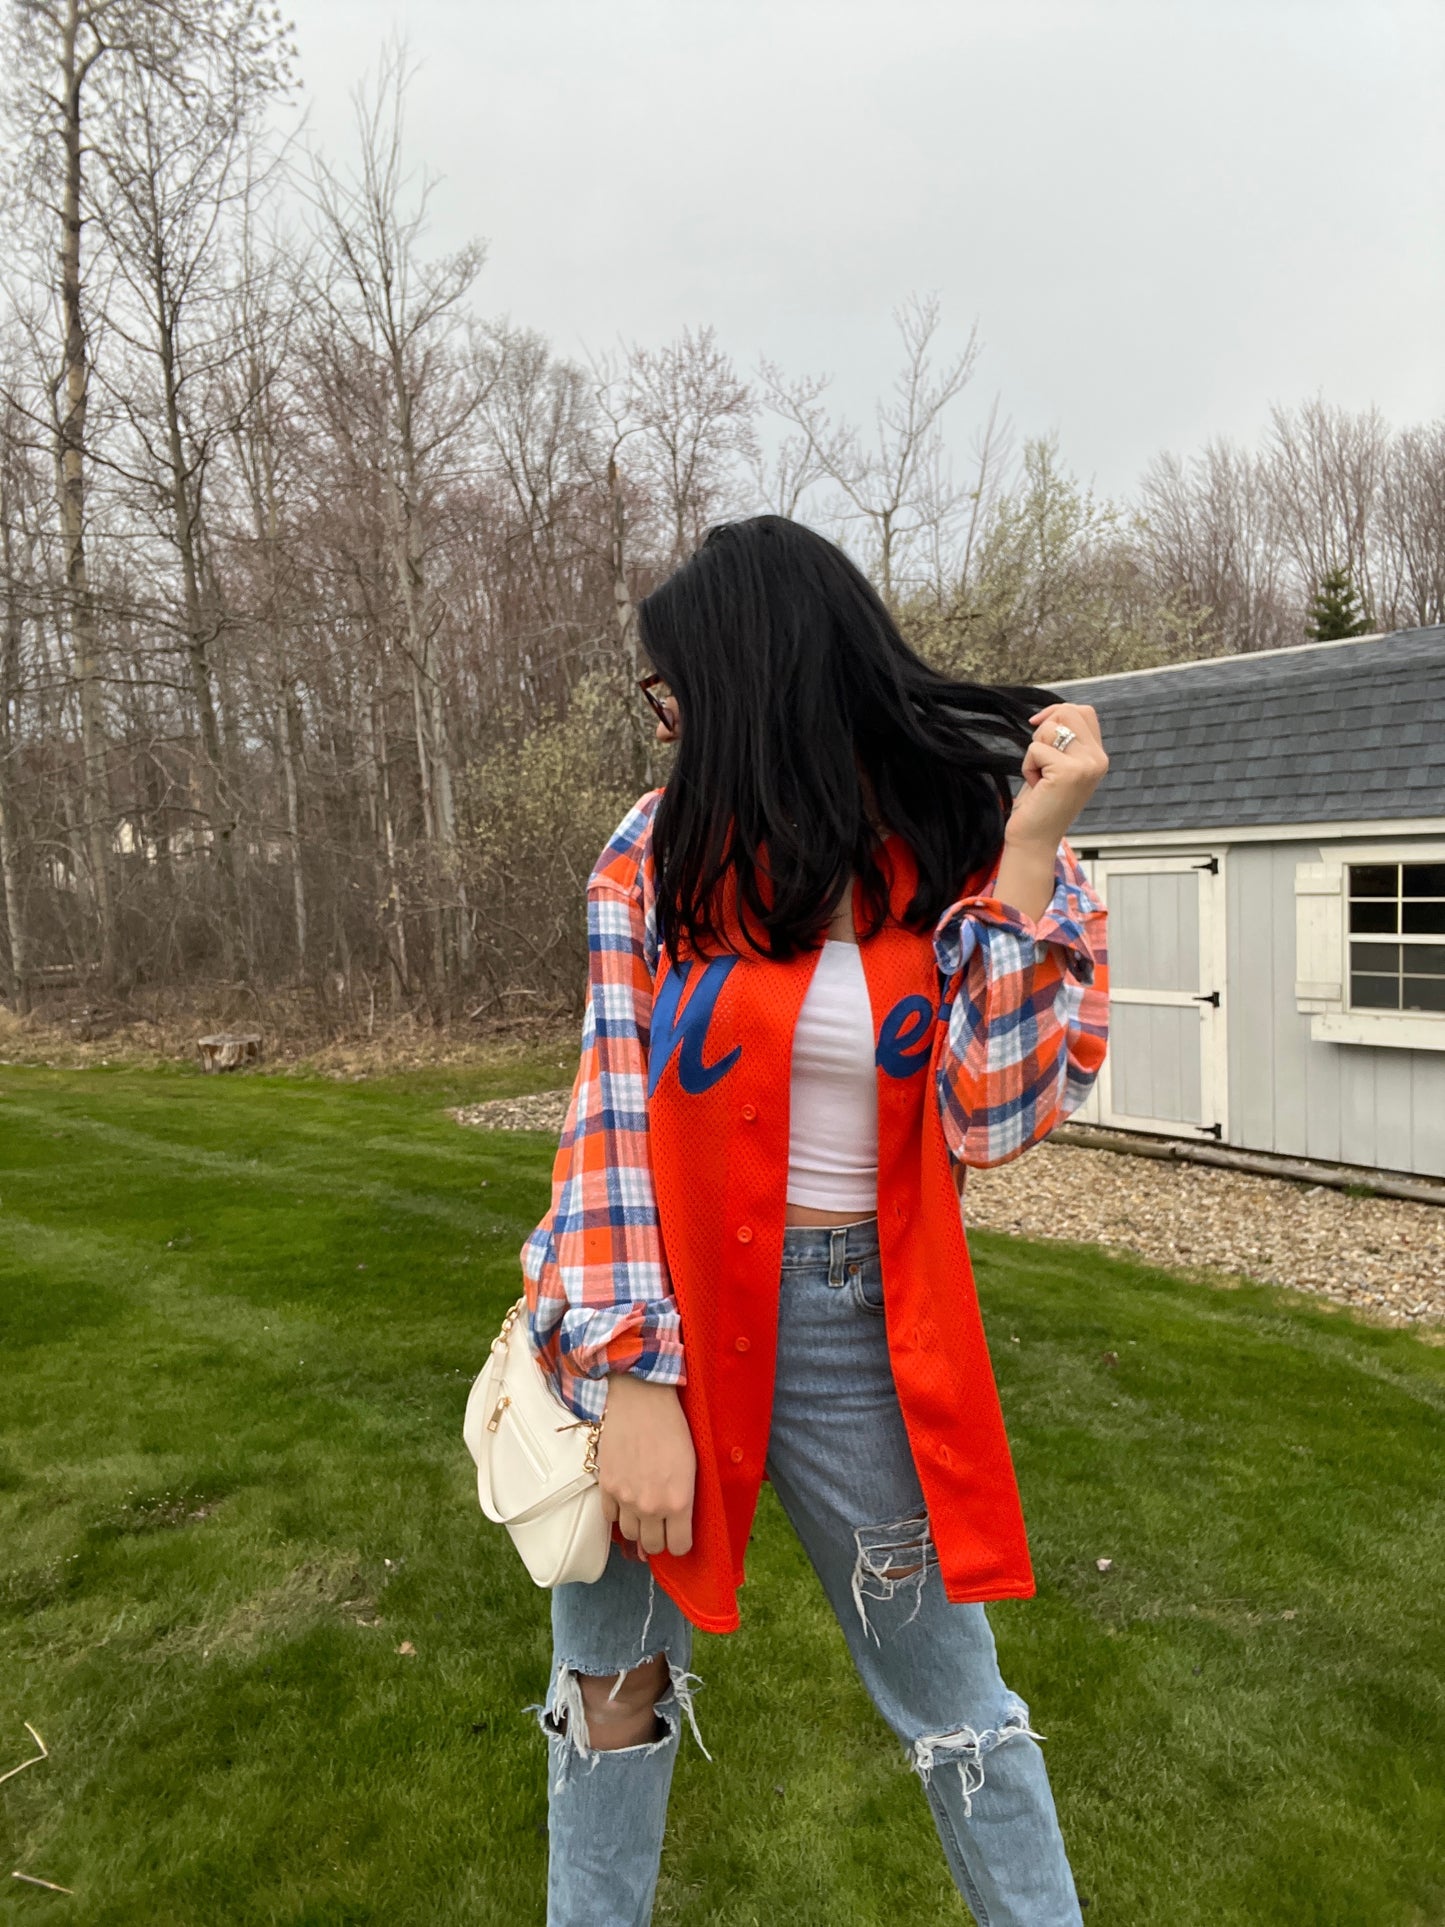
228 1050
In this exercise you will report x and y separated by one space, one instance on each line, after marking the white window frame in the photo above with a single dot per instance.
1322 952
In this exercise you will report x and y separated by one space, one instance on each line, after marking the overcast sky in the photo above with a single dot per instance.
1164 216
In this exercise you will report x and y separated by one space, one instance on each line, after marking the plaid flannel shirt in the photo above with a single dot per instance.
1025 1041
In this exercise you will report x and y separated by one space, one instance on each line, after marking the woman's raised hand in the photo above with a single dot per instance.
1057 782
646 1465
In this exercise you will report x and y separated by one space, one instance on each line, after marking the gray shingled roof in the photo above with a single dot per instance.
1324 733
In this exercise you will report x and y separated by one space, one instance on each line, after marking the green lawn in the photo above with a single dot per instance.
238 1320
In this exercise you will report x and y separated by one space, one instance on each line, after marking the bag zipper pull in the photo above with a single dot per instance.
495 1420
594 1438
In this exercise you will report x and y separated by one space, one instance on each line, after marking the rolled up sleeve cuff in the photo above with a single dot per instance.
643 1339
962 925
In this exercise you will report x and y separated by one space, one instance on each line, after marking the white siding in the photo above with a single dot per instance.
1346 1103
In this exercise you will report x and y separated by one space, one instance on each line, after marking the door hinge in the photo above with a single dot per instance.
1208 997
1210 1130
1087 856
1211 864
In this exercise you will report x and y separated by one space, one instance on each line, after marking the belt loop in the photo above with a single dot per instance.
837 1252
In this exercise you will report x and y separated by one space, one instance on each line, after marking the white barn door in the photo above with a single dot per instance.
1166 1066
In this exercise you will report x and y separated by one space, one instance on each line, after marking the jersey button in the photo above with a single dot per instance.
736 1455
750 1111
745 1234
742 1344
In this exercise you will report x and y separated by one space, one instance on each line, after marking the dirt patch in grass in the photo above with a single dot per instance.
165 1511
326 1589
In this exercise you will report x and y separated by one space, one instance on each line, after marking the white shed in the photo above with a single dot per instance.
1270 841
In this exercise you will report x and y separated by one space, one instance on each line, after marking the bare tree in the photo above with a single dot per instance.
263 413
900 489
691 418
389 327
541 432
781 476
21 605
177 158
1209 528
1410 528
626 518
1323 469
56 50
677 430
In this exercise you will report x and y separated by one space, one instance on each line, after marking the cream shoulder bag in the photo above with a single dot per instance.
536 1462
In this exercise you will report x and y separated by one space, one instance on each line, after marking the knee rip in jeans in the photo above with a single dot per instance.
564 1717
967 1749
889 1559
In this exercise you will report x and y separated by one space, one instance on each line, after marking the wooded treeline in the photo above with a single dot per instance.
318 653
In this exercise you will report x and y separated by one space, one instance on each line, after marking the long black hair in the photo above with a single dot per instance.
793 684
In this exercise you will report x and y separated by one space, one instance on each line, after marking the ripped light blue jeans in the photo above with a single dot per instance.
839 1460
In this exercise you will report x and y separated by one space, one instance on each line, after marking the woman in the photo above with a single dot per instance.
830 968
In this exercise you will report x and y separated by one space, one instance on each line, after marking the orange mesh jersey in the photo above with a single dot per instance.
662 1248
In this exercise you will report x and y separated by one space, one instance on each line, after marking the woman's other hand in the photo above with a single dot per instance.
646 1465
1058 782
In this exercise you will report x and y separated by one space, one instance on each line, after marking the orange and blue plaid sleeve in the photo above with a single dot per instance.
599 1298
1028 1014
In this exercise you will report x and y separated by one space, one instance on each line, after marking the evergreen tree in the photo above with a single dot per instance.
1336 613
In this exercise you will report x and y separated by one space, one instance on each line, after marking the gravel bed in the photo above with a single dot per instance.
542 1111
1382 1255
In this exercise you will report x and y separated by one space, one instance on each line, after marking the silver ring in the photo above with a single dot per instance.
1063 736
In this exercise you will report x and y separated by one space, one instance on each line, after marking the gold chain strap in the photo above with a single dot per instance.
594 1426
499 1343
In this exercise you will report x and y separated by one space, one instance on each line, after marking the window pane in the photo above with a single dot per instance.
1424 918
1377 915
1424 993
1375 957
1376 879
1425 959
1425 879
1375 993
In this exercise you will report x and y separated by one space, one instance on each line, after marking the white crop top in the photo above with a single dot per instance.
833 1129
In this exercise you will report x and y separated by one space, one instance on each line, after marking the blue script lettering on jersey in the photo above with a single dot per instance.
687 1033
905 1040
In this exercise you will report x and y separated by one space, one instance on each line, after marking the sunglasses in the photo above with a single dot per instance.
658 693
